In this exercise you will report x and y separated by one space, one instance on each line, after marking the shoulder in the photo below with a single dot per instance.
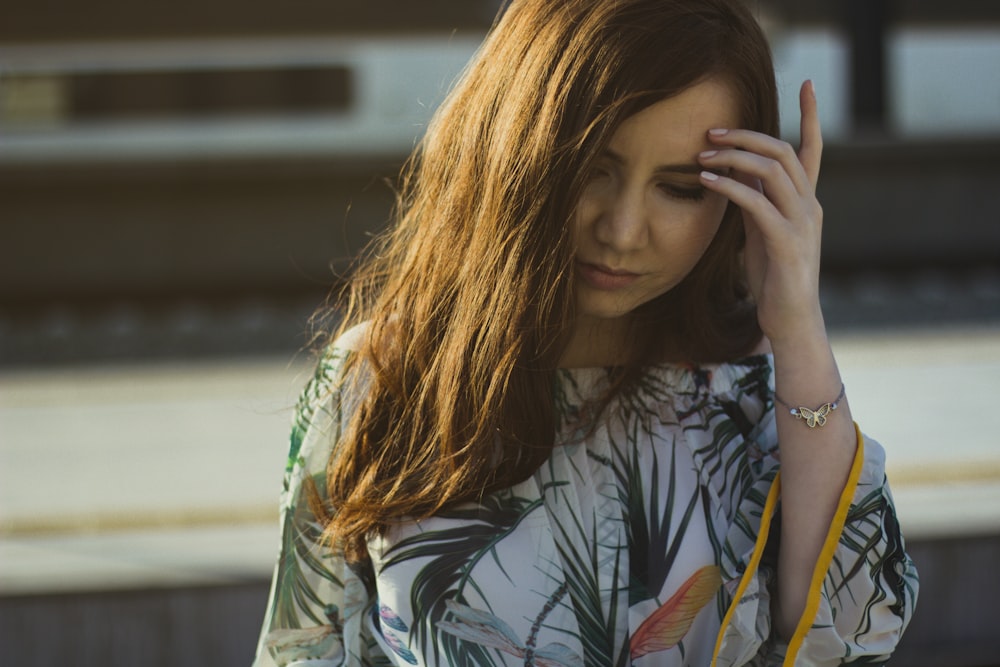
333 375
327 400
352 339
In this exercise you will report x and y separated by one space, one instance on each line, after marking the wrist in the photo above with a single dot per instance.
803 337
814 417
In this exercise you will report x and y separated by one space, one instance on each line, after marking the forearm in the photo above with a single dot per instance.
815 464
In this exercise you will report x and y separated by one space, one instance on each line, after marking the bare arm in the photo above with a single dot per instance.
776 188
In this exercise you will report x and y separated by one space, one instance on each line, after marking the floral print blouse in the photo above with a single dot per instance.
647 538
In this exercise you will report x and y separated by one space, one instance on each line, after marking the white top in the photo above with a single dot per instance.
643 540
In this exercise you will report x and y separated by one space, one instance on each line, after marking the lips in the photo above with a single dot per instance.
605 278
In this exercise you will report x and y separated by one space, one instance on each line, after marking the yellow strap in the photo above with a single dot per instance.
822 563
758 551
826 554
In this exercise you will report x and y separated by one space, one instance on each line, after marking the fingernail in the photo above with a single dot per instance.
718 132
709 176
708 154
812 89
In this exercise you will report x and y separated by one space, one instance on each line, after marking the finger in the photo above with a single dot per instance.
752 170
811 135
769 147
748 197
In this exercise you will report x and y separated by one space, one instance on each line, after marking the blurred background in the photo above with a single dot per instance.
181 184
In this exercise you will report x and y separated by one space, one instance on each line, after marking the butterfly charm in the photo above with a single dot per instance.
814 418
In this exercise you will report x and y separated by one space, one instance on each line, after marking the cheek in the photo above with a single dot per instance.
582 217
710 224
684 247
715 209
697 245
698 235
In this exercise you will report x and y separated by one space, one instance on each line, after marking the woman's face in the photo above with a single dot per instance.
644 220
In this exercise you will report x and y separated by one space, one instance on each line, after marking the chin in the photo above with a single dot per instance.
603 311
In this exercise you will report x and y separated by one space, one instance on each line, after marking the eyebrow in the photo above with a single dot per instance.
693 168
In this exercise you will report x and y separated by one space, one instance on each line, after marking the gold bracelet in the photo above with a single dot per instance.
817 417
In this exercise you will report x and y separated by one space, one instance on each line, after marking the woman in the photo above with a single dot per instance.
549 431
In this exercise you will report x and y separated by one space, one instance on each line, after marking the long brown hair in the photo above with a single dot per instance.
469 297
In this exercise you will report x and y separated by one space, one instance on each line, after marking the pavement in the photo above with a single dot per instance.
167 474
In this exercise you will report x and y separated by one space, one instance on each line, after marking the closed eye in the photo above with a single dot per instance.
597 173
678 192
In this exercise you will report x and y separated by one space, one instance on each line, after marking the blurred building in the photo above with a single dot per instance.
909 95
187 178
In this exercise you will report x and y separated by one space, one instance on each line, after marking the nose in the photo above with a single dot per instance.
622 223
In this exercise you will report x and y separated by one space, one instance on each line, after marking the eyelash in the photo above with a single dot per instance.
684 194
596 173
688 194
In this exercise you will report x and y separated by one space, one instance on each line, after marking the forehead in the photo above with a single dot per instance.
679 123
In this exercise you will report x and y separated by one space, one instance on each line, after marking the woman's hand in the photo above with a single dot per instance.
776 189
775 186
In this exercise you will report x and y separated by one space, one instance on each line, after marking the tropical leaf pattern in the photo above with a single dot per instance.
643 540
